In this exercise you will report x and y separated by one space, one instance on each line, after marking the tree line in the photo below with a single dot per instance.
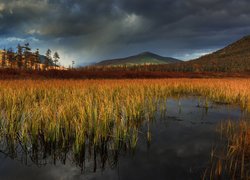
24 58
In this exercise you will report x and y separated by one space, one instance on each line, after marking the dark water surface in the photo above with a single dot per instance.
180 149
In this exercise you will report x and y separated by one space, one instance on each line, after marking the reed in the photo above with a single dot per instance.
97 114
233 162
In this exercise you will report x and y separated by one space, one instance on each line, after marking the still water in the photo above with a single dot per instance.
180 147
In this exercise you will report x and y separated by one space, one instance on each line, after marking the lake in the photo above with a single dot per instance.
179 147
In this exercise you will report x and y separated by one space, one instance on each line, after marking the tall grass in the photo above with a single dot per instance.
95 117
232 161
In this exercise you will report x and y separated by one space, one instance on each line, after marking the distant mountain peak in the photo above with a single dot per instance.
145 57
146 53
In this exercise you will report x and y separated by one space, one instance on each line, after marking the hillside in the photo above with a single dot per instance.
234 57
143 58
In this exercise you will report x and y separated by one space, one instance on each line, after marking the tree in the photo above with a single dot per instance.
10 56
56 58
19 56
3 58
37 58
48 59
27 56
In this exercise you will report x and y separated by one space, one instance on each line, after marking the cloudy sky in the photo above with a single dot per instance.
91 30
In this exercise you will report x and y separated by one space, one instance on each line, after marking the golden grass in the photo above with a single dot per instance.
234 160
80 113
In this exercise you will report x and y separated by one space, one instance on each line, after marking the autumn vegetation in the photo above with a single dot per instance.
48 118
232 161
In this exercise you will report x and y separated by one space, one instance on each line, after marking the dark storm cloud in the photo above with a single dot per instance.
90 30
192 18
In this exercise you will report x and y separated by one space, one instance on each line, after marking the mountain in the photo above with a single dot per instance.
143 58
234 57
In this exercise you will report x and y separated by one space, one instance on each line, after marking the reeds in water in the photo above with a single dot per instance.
95 116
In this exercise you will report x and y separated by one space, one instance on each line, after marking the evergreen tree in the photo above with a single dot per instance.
3 58
48 59
37 58
56 58
27 57
19 56
10 57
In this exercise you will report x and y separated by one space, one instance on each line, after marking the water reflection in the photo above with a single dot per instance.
42 153
175 145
